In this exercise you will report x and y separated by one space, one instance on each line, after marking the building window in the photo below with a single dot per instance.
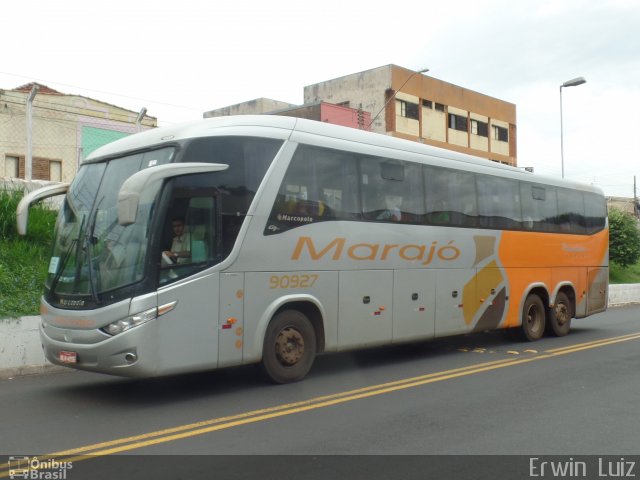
439 107
500 133
479 128
458 122
427 103
409 110
11 165
55 170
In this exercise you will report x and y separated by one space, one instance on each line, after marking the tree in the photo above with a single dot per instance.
624 238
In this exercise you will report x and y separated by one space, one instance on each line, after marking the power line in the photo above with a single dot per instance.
102 92
79 113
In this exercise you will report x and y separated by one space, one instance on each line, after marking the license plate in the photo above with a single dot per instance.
68 357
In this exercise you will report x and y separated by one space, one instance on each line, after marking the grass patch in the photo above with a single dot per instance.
23 260
618 275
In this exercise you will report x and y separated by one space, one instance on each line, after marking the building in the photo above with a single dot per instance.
320 111
410 105
624 204
65 129
252 107
329 113
396 101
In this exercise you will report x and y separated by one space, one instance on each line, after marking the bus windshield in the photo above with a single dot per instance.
92 253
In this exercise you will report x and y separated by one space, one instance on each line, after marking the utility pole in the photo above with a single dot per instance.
139 119
635 198
28 161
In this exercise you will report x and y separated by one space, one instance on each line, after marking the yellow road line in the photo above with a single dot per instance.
223 423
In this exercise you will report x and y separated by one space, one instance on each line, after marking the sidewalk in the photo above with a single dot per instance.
21 351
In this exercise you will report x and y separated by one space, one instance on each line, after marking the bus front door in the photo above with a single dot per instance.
188 334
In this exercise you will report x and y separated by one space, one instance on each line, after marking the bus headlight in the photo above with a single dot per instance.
125 324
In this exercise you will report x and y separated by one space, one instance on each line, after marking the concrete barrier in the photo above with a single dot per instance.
20 348
624 294
21 351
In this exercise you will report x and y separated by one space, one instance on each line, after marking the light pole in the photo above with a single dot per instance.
569 83
391 97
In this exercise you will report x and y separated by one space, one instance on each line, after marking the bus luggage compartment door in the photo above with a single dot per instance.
414 301
365 308
598 279
455 292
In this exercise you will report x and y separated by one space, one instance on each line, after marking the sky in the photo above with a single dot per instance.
180 59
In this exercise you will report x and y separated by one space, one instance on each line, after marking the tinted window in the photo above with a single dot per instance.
571 211
498 202
451 197
248 159
539 207
392 191
595 212
319 185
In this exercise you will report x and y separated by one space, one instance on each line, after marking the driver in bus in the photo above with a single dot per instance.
181 246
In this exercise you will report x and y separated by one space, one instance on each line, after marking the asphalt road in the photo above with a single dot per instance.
480 394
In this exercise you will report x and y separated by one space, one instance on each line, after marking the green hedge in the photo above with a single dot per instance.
23 260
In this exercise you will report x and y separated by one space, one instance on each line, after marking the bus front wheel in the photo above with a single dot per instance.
289 347
533 319
561 315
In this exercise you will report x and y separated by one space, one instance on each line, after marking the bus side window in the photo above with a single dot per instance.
499 202
571 211
451 197
319 185
539 207
595 208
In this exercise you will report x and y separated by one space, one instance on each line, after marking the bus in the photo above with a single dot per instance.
305 238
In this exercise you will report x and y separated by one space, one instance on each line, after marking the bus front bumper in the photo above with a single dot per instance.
128 354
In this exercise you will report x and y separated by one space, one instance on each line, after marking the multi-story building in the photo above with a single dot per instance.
404 103
65 129
410 105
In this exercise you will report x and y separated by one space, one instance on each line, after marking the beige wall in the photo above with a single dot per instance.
458 137
406 125
460 101
364 90
478 142
57 122
434 124
498 146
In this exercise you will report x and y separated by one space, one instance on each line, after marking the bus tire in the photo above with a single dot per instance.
289 347
533 319
560 316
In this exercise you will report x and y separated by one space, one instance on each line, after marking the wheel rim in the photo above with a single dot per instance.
562 314
535 320
289 346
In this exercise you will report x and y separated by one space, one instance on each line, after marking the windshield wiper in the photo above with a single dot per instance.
65 258
63 264
89 241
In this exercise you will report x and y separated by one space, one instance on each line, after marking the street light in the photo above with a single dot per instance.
569 83
424 70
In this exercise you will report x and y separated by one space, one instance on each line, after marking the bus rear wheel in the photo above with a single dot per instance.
289 347
533 319
560 318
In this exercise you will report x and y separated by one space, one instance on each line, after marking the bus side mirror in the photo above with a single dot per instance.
22 212
134 186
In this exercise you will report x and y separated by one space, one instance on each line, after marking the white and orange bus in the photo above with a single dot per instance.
305 238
